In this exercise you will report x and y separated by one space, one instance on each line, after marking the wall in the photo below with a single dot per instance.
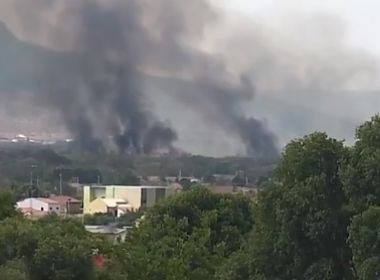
96 206
55 207
86 198
33 203
90 194
131 194
73 208
37 205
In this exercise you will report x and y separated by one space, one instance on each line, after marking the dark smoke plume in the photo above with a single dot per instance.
100 80
104 50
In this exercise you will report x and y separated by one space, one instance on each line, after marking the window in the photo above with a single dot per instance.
42 209
57 208
51 208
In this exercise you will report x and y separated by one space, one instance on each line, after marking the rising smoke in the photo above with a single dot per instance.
96 80
100 55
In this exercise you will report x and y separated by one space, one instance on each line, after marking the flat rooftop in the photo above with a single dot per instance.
126 186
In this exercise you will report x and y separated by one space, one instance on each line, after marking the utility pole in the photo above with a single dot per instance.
60 183
31 174
31 189
179 175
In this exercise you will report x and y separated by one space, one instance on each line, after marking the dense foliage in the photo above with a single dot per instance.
189 236
317 218
42 166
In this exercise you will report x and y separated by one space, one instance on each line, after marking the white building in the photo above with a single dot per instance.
115 206
135 196
38 206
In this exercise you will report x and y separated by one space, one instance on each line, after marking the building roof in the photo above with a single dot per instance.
126 186
113 202
43 199
46 200
63 199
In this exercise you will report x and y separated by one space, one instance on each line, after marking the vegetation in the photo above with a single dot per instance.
317 218
23 165
128 219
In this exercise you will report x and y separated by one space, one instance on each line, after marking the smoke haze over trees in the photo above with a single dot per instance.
146 75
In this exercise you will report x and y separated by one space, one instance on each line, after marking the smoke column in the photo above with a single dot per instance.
103 50
99 57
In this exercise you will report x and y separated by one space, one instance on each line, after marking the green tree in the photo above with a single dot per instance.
7 205
18 239
360 172
63 252
300 221
364 240
52 248
14 270
188 236
128 178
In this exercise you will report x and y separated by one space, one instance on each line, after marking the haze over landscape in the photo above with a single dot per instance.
208 78
189 139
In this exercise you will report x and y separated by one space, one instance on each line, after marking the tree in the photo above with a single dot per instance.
129 178
188 236
18 239
14 270
364 241
300 221
52 248
62 257
7 205
64 251
360 172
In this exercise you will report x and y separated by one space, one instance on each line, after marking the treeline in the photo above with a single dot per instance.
319 218
44 167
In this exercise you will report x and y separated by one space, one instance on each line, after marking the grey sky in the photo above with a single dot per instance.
361 16
356 23
314 65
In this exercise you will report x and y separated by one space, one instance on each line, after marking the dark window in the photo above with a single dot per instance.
57 208
51 208
42 209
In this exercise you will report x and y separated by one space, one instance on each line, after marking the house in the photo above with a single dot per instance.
115 206
38 206
68 205
135 196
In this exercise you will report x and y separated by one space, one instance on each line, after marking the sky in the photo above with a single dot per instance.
336 113
361 16
314 65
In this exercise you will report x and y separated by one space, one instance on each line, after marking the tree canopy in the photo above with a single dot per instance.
300 229
189 236
317 218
